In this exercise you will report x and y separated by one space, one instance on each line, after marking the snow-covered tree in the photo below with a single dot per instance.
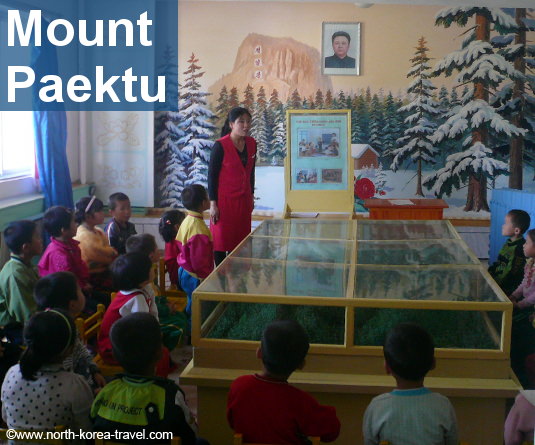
376 124
515 99
476 63
196 124
360 131
417 143
259 126
393 129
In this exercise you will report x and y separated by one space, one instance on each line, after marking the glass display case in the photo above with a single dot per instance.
348 282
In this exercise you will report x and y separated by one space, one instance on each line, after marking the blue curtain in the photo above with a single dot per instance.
50 128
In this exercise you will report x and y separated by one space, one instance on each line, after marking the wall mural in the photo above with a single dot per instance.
463 124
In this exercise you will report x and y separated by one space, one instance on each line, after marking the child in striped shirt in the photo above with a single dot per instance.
411 414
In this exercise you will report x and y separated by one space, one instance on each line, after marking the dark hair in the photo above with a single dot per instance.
284 347
520 219
193 196
18 233
233 114
341 34
136 340
115 198
531 234
81 210
130 270
144 243
57 218
56 290
168 222
47 335
409 351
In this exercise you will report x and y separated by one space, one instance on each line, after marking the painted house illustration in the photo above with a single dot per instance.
364 156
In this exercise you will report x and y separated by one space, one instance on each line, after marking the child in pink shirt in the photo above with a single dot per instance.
168 228
63 253
521 420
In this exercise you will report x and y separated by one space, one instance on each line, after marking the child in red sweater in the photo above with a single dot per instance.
264 408
168 228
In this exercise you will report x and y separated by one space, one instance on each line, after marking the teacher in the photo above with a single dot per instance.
231 178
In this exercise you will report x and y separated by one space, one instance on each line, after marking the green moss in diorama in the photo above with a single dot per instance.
246 321
450 329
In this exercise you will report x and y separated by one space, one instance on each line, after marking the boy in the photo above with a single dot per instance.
119 229
411 414
196 258
18 277
508 270
265 408
138 401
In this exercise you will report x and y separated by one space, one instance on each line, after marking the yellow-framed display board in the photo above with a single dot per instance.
318 170
348 282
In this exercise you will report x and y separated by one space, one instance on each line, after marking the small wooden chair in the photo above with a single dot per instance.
57 429
90 328
174 296
238 440
174 441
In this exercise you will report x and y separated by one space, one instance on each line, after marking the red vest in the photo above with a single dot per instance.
234 179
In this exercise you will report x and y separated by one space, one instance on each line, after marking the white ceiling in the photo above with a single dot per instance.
368 3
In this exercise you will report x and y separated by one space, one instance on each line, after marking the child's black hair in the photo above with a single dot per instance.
409 351
284 347
115 198
57 218
520 219
193 196
56 290
82 208
130 270
136 341
168 222
144 243
47 335
18 233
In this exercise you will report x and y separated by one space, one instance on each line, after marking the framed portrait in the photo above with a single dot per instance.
318 173
340 48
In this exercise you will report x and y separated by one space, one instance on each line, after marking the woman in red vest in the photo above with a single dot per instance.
231 183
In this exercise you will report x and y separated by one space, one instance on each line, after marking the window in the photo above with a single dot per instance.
17 144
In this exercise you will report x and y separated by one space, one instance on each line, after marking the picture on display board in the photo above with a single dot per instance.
307 176
319 143
331 175
340 48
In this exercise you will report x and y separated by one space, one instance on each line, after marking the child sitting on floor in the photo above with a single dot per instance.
18 276
264 408
37 394
168 228
172 323
139 401
131 273
96 250
508 269
411 414
119 229
61 290
194 239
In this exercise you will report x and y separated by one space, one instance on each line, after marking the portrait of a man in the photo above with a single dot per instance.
341 48
341 41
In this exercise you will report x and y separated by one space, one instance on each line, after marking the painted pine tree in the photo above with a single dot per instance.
417 143
329 100
376 124
515 99
233 98
196 124
294 101
223 106
362 135
446 106
248 97
393 129
318 99
277 151
476 63
259 127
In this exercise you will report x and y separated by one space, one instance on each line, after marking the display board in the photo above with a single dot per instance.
318 177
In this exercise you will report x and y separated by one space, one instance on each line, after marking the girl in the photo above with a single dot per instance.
96 250
168 228
60 290
37 394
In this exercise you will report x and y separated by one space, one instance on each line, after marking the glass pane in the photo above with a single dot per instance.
450 329
240 275
326 229
290 249
246 321
427 283
400 230
17 144
413 252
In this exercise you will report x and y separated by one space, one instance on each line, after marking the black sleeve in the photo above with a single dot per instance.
214 168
